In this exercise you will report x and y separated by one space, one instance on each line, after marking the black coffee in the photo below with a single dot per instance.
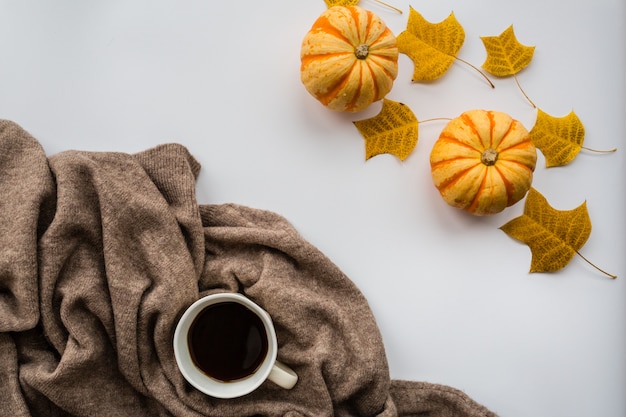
227 341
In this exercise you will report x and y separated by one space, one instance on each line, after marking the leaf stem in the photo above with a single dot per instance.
434 119
478 70
596 267
522 90
389 5
599 150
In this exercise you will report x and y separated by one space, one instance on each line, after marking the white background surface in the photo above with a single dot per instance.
452 293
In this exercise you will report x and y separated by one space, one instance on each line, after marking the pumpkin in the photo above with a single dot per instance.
483 162
349 58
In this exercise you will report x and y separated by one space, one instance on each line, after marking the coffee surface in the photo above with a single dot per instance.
227 341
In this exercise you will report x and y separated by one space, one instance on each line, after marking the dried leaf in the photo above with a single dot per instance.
431 46
558 138
331 3
554 236
393 131
505 55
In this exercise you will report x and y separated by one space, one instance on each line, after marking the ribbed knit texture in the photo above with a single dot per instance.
100 254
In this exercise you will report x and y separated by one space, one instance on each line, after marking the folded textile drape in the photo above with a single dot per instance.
100 253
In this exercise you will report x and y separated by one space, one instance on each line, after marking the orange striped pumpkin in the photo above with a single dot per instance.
483 162
349 58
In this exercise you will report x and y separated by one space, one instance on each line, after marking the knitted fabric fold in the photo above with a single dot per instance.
101 253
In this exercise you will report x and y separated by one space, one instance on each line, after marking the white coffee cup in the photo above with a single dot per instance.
269 368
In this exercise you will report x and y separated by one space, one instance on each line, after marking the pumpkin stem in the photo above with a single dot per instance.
489 157
362 51
601 270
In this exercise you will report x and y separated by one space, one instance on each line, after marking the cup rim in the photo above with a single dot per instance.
202 381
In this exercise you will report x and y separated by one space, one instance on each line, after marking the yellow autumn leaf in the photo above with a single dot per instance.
558 138
431 46
553 236
505 55
332 3
392 131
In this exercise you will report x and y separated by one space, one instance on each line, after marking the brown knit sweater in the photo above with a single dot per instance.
100 253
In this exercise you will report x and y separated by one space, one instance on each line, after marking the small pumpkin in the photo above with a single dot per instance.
349 58
483 162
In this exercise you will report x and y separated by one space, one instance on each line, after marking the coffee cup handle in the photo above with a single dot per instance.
283 376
